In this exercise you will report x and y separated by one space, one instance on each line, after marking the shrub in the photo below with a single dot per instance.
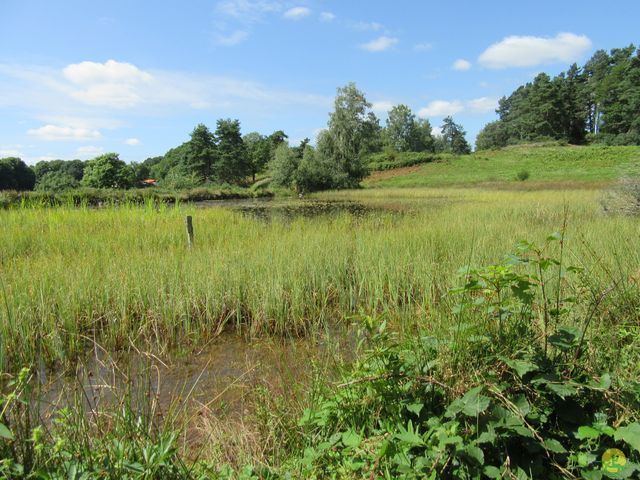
522 175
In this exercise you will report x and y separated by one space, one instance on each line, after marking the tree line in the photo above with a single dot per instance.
224 156
596 103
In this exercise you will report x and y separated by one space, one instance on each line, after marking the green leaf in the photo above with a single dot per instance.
630 434
410 437
522 367
563 390
415 408
492 472
5 432
586 432
554 446
565 338
474 403
603 384
474 453
350 439
592 474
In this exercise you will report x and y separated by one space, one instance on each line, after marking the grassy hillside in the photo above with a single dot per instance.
591 165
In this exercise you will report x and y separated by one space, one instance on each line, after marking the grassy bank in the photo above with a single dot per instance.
106 197
586 165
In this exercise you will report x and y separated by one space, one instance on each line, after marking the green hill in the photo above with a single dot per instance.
589 165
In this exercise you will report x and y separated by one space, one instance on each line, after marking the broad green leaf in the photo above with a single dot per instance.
565 338
554 446
492 472
630 434
475 453
350 439
474 403
562 389
603 384
592 474
522 367
5 432
586 432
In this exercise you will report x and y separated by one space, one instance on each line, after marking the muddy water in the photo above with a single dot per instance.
290 209
221 379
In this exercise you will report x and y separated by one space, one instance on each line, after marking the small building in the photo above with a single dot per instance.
149 182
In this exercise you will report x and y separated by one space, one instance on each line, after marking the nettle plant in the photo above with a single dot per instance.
535 407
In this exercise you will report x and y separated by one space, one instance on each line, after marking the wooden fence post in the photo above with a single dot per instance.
189 222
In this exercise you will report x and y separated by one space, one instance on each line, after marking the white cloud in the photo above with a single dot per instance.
423 47
366 26
482 105
296 13
382 107
441 108
10 152
461 65
327 16
89 151
132 141
529 51
246 10
231 39
379 44
54 132
111 84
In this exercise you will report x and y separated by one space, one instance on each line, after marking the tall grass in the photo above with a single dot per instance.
124 275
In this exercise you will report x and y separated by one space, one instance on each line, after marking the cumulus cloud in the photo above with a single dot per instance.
529 51
296 13
461 65
55 132
327 16
443 108
132 141
379 44
112 84
10 152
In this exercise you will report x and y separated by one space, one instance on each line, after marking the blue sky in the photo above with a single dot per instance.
78 78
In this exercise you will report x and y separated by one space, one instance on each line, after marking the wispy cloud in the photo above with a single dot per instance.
380 44
381 107
133 142
366 26
423 47
56 132
529 51
297 13
443 108
89 151
327 16
231 39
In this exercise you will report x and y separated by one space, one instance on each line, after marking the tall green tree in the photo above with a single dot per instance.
453 137
402 131
353 132
258 148
108 171
232 162
16 175
200 154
